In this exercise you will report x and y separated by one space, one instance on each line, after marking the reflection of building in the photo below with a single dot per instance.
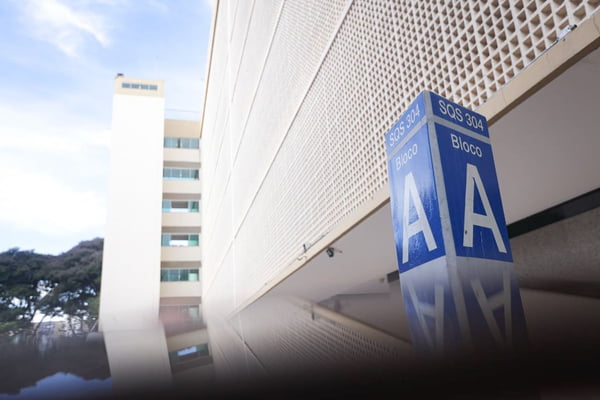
297 103
151 252
190 358
150 359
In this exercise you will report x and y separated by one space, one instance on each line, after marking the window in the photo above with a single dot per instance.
171 142
193 275
180 275
189 353
181 312
193 313
182 143
180 239
181 173
190 143
180 206
128 85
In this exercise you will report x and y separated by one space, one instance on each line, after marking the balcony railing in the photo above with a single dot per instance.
180 240
180 275
180 206
181 173
181 143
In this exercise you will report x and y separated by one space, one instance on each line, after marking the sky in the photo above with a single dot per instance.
58 61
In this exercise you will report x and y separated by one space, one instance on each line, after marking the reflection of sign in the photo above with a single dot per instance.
451 240
477 305
430 307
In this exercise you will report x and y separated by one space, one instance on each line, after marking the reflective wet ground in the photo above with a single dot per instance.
354 344
53 367
332 331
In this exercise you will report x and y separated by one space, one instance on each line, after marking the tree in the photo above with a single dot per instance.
66 285
20 285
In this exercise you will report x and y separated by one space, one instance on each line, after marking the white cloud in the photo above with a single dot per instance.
52 131
100 139
46 205
68 29
37 143
159 6
42 136
54 144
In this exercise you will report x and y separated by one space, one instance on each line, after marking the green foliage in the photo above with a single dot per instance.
93 307
67 284
20 273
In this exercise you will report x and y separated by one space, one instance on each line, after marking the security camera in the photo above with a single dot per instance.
330 251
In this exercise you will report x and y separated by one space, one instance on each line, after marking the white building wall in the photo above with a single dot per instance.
300 95
138 359
132 247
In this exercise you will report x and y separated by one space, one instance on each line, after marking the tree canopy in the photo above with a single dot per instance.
67 284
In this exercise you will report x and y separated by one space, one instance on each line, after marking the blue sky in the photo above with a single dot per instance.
58 60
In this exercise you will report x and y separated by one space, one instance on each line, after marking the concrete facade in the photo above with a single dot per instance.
298 99
148 153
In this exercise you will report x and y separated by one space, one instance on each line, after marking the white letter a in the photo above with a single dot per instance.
421 224
472 218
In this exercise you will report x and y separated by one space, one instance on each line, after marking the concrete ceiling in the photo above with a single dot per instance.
546 149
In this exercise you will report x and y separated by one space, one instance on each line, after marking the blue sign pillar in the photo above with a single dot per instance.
452 245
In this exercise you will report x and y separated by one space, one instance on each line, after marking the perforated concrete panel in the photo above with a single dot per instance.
299 340
300 95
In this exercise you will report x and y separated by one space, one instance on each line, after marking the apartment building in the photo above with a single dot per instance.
152 254
298 99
